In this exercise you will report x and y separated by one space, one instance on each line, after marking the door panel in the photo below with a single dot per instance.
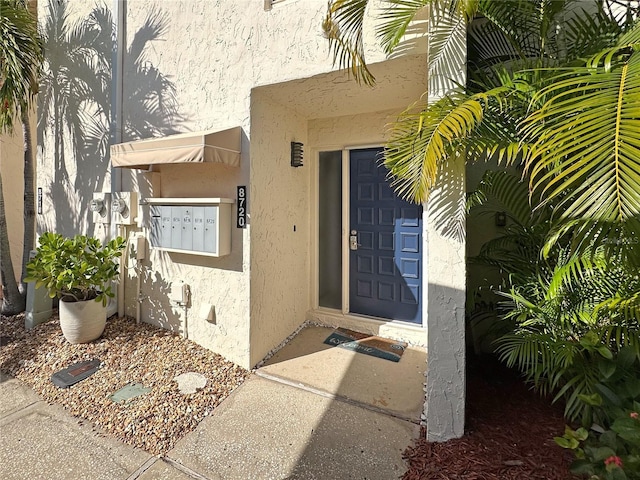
385 261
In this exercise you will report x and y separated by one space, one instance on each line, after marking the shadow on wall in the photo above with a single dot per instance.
158 310
447 203
75 105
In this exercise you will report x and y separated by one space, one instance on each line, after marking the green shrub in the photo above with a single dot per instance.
568 308
75 269
610 448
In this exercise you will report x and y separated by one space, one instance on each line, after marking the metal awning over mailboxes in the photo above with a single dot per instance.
195 147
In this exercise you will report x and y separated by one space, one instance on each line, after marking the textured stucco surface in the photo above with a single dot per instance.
445 385
66 172
446 276
280 224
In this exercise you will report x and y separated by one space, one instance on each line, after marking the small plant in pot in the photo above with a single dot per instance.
79 271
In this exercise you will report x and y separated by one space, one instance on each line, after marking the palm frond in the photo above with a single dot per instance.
505 31
508 192
587 32
584 141
343 26
396 17
447 41
20 61
423 137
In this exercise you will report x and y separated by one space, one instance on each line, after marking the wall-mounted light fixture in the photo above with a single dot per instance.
501 219
296 154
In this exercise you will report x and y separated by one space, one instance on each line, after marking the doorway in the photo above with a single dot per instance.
370 240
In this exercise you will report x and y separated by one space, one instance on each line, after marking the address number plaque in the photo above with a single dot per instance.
242 206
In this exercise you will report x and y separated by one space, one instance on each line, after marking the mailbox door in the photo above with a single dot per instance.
211 229
198 229
155 214
186 242
176 227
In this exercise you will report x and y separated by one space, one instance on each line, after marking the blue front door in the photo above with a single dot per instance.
385 244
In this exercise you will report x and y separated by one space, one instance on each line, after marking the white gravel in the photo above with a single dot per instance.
129 353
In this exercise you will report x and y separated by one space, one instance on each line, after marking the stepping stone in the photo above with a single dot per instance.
75 373
190 382
128 392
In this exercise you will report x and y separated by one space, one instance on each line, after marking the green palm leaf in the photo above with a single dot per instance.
584 140
447 24
343 26
396 17
20 60
508 192
422 139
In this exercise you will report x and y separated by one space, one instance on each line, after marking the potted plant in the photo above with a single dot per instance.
79 271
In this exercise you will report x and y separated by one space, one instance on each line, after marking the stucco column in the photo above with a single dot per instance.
445 265
446 279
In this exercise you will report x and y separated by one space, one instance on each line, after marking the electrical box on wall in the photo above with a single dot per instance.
100 206
124 206
199 226
179 293
139 250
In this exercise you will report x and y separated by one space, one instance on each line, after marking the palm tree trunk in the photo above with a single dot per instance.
12 301
29 198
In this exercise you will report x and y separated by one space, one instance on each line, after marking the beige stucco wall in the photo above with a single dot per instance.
215 54
266 295
445 303
67 171
213 83
221 282
279 203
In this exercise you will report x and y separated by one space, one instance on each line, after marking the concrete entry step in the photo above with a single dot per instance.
382 385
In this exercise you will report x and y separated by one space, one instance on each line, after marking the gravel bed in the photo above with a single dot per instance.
129 353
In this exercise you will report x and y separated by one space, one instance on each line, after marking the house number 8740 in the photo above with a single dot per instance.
242 206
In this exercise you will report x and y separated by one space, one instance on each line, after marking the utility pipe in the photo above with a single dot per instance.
139 257
117 83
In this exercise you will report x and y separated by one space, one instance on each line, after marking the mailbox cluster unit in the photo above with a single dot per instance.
201 226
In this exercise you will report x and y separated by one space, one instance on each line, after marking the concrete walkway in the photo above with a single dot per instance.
267 429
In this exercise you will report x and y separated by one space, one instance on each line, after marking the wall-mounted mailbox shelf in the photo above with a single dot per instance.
200 226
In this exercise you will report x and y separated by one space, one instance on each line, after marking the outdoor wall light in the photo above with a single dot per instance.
501 219
296 154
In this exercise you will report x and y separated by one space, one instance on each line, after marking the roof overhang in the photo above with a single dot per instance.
195 147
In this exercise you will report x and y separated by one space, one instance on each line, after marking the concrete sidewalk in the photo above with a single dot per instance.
266 429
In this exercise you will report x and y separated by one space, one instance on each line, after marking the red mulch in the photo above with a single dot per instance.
509 434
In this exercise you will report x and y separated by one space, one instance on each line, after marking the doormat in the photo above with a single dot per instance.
367 344
75 373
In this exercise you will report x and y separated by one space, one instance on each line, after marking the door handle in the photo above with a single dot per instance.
353 240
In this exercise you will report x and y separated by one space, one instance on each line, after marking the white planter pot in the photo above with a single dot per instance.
82 322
